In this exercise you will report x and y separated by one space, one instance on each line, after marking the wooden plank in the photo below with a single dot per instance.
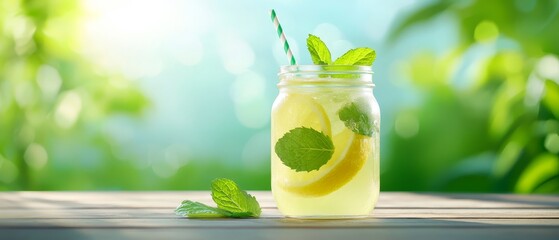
57 200
159 213
66 200
273 223
466 201
542 233
149 215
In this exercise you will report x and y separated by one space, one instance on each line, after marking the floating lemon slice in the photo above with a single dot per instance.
296 110
352 151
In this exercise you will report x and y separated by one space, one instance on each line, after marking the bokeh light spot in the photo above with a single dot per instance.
68 109
236 53
251 107
332 36
247 87
49 81
552 143
160 165
486 31
22 31
406 125
534 90
176 155
548 68
327 32
339 47
35 156
163 169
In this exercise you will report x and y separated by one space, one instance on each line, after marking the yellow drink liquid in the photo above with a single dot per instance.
347 186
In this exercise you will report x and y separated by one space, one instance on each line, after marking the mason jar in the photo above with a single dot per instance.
325 142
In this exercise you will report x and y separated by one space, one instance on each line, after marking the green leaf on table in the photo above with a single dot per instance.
230 199
304 149
199 210
228 196
319 51
359 56
357 117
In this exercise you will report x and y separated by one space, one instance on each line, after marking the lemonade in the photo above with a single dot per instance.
325 142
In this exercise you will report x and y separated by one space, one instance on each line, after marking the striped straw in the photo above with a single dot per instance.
281 36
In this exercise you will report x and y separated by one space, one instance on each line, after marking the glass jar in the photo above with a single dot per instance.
325 142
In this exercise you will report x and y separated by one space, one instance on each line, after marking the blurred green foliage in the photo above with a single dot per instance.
486 122
52 101
55 106
488 119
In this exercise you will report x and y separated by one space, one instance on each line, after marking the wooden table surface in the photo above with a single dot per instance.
399 215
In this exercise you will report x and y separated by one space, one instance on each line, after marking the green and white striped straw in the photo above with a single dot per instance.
281 36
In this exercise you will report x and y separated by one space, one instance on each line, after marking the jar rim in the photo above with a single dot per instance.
353 69
347 76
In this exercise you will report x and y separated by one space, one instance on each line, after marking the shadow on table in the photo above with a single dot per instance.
14 227
415 228
531 201
45 232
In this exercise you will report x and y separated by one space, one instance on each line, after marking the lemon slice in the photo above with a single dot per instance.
296 110
352 150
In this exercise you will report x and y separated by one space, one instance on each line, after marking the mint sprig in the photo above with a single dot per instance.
320 54
304 149
230 199
199 210
227 195
358 56
357 117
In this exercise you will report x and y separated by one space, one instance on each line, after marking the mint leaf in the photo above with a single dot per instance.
357 117
227 195
199 210
231 202
319 52
357 56
304 149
